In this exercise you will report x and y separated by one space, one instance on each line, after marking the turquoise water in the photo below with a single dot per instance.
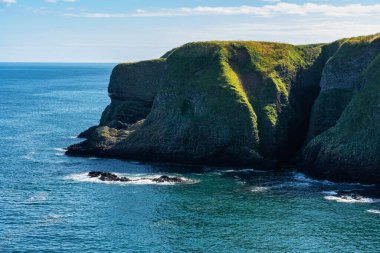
48 204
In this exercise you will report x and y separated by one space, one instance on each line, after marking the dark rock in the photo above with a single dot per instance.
87 133
94 173
358 194
166 179
107 176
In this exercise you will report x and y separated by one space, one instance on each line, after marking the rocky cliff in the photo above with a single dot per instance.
344 136
248 104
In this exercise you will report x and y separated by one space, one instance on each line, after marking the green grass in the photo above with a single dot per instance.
327 110
214 97
208 77
353 143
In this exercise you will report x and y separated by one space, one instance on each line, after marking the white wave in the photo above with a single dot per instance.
28 156
329 192
60 151
252 170
300 184
38 197
136 179
292 185
359 184
73 137
54 216
302 177
242 171
374 211
259 189
350 199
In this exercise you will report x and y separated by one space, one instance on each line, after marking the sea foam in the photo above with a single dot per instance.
29 156
60 151
303 178
349 199
243 171
259 189
38 197
136 179
329 192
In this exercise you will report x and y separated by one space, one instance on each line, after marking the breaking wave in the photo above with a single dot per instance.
303 178
351 198
135 179
259 189
38 197
60 151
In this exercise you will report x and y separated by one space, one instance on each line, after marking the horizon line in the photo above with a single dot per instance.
59 62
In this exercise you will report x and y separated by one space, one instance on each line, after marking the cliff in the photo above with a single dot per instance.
346 146
256 104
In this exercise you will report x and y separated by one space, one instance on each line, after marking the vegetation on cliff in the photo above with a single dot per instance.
246 104
349 148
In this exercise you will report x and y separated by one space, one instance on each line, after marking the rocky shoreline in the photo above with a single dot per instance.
249 104
110 177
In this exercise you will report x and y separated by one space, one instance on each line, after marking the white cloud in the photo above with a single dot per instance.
303 32
268 10
271 1
8 2
55 1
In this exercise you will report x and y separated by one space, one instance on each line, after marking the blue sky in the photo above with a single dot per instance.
131 30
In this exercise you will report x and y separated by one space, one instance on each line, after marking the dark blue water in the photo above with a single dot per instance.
48 204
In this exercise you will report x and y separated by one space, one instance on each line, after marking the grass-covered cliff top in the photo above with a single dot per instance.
240 88
242 102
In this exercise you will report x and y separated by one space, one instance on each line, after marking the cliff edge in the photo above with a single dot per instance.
258 104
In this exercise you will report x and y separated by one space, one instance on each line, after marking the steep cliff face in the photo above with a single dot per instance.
341 75
132 90
213 102
246 104
200 113
346 115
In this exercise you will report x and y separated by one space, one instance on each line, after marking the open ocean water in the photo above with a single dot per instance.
48 204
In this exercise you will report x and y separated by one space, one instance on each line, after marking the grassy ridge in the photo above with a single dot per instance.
249 104
232 96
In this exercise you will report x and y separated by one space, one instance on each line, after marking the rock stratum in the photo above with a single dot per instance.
249 104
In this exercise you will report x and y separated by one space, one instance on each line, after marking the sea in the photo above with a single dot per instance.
48 203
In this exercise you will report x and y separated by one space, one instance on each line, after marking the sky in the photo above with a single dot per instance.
131 30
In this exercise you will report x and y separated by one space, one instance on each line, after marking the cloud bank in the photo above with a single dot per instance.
8 2
56 1
269 10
